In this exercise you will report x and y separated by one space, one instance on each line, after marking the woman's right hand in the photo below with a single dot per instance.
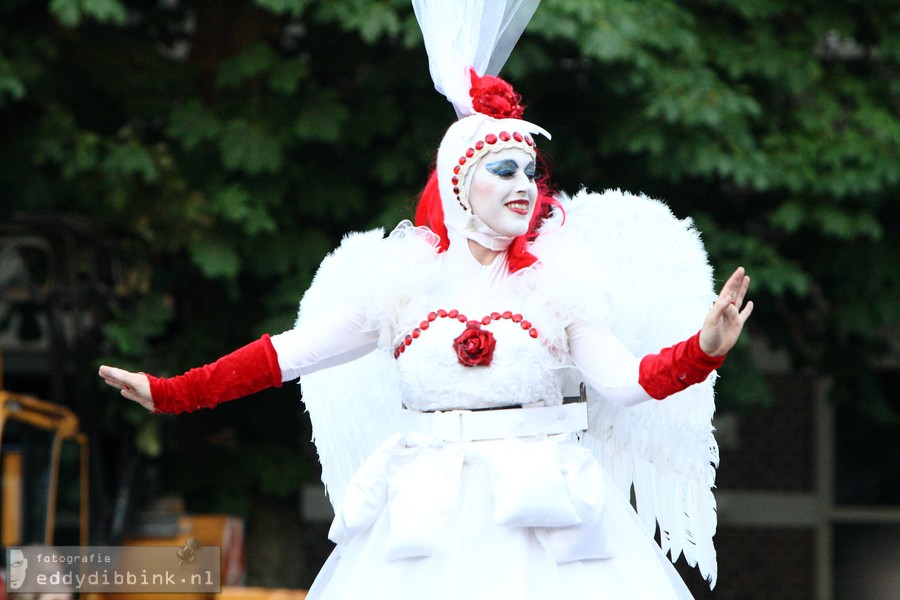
134 386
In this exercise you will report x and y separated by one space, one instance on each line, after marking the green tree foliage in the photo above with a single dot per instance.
225 146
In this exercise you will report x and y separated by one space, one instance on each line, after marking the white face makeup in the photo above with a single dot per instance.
503 192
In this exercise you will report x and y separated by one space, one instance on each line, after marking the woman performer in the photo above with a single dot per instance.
477 315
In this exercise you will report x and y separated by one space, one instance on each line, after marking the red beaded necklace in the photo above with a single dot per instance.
474 346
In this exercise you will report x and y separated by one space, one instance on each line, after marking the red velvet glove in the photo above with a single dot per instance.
676 367
241 373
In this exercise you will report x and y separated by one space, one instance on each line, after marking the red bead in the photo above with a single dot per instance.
470 152
504 136
479 145
432 316
517 136
529 141
461 318
397 353
507 314
402 348
533 332
441 313
452 314
462 160
517 318
456 190
495 316
486 321
424 325
407 340
490 138
456 170
526 324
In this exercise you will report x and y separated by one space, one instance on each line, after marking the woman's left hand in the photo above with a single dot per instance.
726 318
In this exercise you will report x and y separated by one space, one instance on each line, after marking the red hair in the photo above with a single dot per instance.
430 214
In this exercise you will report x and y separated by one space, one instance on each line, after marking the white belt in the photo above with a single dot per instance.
470 426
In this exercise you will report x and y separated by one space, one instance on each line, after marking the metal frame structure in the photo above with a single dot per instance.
64 425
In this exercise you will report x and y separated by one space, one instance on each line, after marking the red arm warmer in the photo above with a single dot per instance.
243 372
676 367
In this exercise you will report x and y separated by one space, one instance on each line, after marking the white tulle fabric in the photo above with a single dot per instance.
463 34
428 527
419 518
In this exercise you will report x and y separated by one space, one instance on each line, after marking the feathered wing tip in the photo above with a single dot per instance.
662 289
353 408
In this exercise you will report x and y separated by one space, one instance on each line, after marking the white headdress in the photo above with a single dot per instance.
464 144
469 34
468 41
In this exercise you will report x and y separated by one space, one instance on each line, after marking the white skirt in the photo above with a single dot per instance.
434 522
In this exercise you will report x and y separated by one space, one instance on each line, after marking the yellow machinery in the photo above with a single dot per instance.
64 426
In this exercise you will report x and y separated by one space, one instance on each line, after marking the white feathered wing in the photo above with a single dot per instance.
355 407
631 262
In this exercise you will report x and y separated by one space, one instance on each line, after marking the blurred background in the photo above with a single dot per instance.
172 172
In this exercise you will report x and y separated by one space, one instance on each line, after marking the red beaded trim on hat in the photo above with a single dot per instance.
455 314
489 141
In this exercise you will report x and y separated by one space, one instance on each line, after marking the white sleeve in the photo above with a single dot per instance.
607 365
337 337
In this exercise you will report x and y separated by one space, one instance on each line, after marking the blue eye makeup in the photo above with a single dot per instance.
502 168
508 168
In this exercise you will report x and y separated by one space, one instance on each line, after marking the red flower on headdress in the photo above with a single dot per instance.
475 346
494 97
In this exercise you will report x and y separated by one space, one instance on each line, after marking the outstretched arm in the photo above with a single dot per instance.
247 370
339 336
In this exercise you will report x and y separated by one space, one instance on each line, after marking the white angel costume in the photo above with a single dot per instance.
467 476
446 504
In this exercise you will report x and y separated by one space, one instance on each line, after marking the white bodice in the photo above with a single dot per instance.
521 372
523 368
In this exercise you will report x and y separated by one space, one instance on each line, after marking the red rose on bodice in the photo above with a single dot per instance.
474 346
